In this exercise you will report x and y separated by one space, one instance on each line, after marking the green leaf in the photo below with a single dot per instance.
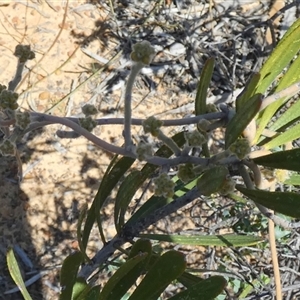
93 294
80 287
15 273
205 240
166 269
68 274
287 203
152 204
291 76
205 78
125 193
281 56
123 278
79 232
130 275
294 179
241 119
291 114
248 91
289 135
288 160
201 96
113 174
188 279
207 289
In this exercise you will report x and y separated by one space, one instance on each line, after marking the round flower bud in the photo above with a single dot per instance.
142 52
240 148
164 186
89 110
22 119
152 125
87 123
144 151
195 138
7 148
8 99
24 53
203 125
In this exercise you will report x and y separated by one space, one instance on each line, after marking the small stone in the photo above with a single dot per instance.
177 49
44 95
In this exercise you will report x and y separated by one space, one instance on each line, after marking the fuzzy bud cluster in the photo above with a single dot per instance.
24 53
144 151
87 123
89 110
22 119
195 138
211 108
152 125
241 148
7 148
142 52
8 99
203 126
164 186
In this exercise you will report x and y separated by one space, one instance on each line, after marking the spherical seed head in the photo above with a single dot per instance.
23 119
195 138
24 53
87 123
164 186
203 125
152 125
241 148
7 148
8 99
142 52
89 110
144 151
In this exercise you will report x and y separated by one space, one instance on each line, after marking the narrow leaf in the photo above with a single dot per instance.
93 294
79 231
113 174
205 78
281 56
289 46
123 278
205 240
294 179
291 114
241 119
248 91
288 160
15 273
166 269
291 76
68 274
125 194
207 289
286 203
289 135
79 289
188 279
